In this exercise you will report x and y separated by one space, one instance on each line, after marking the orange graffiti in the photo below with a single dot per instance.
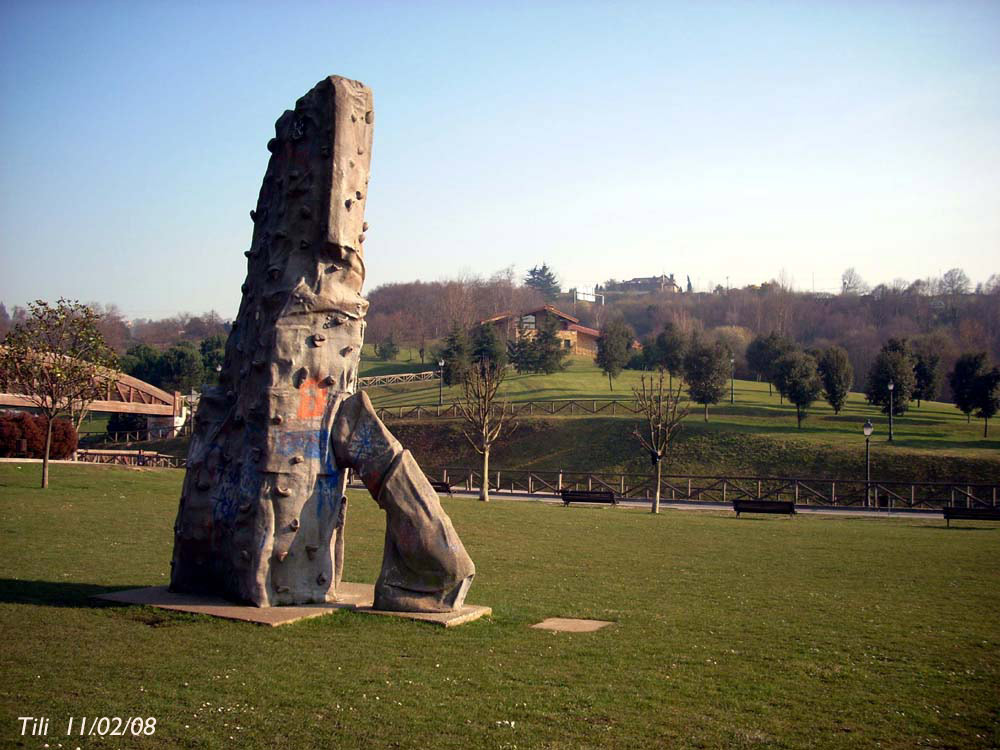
312 399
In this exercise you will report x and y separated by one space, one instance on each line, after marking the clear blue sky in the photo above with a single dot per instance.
707 139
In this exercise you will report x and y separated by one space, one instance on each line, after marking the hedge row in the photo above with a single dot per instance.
18 426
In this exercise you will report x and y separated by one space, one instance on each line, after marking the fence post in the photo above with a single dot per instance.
689 488
622 490
833 493
723 490
796 491
531 484
614 408
559 485
590 483
758 489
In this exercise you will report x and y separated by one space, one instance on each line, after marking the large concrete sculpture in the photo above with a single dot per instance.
263 505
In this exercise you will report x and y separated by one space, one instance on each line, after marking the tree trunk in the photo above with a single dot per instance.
769 391
45 458
986 426
610 385
798 416
656 496
484 491
706 411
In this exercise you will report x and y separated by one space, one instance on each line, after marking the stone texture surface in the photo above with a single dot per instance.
571 625
263 507
354 596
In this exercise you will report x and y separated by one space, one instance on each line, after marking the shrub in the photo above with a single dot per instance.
18 426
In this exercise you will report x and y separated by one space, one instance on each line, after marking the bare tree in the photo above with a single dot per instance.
486 419
663 410
58 361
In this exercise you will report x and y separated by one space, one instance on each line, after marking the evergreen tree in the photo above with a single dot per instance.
968 368
894 364
549 352
986 395
613 347
706 370
763 352
837 375
387 348
213 354
182 368
542 279
669 349
486 345
456 355
144 362
796 377
927 371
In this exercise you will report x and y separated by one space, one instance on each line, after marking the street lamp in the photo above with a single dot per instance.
732 380
440 381
868 429
892 387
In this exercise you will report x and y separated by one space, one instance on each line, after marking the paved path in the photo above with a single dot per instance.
697 505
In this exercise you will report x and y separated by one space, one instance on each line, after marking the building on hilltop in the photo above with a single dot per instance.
577 339
661 283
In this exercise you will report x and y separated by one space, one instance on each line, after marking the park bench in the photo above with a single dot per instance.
439 486
785 507
970 514
588 496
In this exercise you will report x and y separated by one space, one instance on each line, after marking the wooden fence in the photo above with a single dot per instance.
404 377
848 493
130 458
564 407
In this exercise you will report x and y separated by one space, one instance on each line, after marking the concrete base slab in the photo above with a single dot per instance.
468 613
354 596
571 625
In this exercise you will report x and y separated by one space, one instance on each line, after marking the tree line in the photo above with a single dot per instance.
901 372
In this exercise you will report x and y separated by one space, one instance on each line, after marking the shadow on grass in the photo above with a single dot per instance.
957 528
56 594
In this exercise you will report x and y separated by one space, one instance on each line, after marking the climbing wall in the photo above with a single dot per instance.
262 509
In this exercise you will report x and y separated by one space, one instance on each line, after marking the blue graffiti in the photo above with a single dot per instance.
238 485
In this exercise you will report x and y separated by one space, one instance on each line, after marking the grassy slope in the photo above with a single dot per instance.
804 633
756 435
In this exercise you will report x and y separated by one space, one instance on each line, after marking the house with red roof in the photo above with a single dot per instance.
576 338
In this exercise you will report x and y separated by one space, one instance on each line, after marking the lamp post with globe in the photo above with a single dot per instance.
868 429
440 381
892 387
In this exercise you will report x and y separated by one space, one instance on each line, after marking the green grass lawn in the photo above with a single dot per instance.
759 632
407 360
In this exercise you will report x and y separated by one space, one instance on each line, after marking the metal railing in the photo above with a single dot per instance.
848 493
